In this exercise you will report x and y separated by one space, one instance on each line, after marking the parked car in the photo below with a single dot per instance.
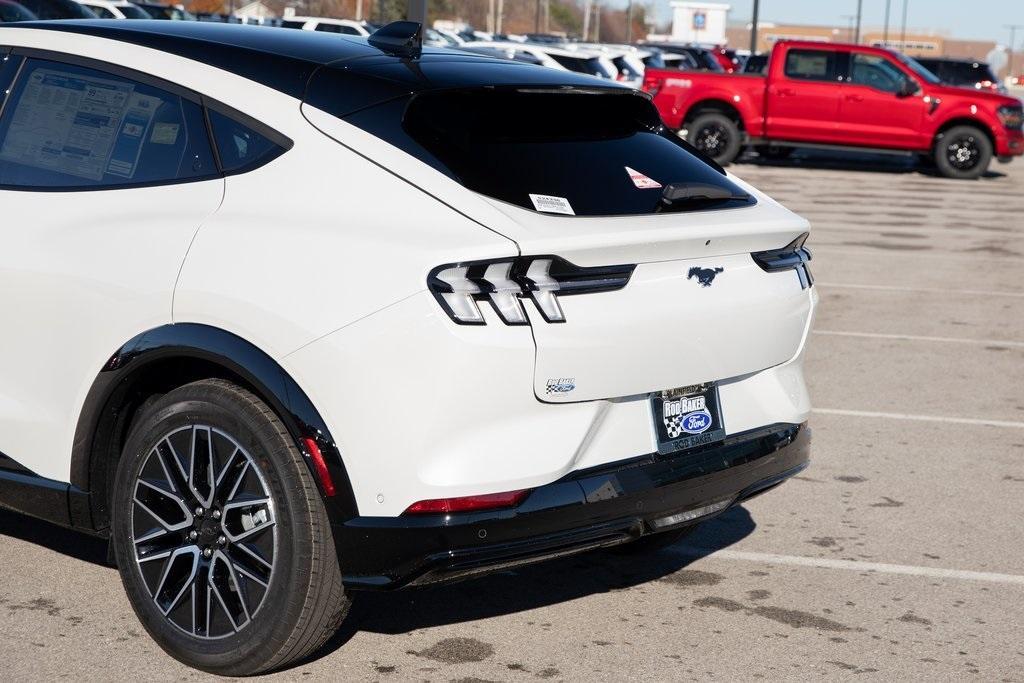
756 64
704 58
510 317
327 25
57 9
679 60
580 61
847 96
11 11
115 9
171 12
962 72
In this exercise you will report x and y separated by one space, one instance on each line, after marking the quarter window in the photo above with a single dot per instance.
811 65
876 72
68 126
239 147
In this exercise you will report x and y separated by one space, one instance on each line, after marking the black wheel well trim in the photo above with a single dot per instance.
714 105
966 121
169 356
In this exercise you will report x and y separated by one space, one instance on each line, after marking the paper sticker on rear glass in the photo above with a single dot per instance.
78 125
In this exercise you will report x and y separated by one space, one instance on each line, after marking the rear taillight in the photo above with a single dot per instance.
488 501
793 256
459 287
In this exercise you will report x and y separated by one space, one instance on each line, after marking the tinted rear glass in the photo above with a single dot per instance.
603 154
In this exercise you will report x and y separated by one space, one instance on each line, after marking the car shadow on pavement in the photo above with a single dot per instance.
854 161
532 586
58 539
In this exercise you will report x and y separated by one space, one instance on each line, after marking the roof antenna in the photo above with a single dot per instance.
400 38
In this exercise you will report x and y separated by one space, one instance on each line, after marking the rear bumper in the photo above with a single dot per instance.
595 508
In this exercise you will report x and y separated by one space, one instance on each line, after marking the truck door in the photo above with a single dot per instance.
802 98
881 104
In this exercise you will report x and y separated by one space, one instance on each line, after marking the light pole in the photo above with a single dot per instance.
885 31
903 27
856 36
629 21
849 26
1013 35
416 10
753 27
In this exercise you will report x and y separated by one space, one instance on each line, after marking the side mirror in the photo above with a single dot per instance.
907 89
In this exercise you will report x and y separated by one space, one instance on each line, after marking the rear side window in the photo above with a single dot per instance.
811 65
240 148
876 72
587 153
68 126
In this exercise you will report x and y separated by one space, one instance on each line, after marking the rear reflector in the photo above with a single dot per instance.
319 465
689 515
489 501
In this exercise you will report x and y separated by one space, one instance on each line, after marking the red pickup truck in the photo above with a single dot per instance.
849 96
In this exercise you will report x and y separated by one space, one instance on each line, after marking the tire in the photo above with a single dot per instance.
262 522
774 153
962 152
716 135
652 543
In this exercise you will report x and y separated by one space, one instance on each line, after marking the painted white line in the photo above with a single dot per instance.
927 290
912 254
919 418
915 337
851 565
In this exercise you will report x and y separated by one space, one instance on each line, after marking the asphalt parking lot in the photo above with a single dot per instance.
898 554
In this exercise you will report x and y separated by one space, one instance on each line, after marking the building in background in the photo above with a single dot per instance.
699 22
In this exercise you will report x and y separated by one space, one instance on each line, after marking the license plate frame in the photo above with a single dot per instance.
689 408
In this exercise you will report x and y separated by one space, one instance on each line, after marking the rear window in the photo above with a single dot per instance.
581 65
587 153
811 65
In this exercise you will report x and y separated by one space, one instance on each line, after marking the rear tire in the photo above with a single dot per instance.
962 152
717 136
652 543
222 540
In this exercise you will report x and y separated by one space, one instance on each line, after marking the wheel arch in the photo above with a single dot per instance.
714 105
966 121
166 357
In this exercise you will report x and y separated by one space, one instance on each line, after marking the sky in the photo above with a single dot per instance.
971 19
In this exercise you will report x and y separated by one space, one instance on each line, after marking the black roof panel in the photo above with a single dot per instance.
284 59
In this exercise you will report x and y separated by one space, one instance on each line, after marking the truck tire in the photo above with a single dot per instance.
962 152
222 539
716 135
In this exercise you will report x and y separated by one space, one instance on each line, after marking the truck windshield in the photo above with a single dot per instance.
924 73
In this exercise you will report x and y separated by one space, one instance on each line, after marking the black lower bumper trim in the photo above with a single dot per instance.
599 507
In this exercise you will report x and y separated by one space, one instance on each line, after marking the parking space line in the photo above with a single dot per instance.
916 337
914 255
851 565
926 290
919 418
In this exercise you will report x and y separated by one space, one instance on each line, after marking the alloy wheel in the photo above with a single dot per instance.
711 139
962 152
204 531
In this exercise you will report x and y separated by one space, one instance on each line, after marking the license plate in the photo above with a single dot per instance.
687 417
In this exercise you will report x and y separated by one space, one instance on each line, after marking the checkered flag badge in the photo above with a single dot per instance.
674 426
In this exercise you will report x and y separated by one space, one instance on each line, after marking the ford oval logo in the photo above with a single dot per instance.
696 422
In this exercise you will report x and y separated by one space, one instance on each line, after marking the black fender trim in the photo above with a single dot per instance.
229 352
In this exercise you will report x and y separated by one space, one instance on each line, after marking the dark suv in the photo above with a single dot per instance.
966 73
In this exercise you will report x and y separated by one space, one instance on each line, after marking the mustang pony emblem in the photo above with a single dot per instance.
705 276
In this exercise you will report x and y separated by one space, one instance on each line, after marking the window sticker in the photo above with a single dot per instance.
69 123
124 158
550 204
641 181
165 133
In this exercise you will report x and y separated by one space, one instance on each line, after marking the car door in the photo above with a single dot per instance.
802 98
105 176
877 109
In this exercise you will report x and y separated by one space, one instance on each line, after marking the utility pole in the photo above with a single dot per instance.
501 16
416 10
753 27
629 21
849 26
1013 36
597 22
903 28
586 19
885 31
856 36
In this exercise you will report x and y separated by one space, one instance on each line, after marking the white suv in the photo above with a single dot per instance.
287 315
